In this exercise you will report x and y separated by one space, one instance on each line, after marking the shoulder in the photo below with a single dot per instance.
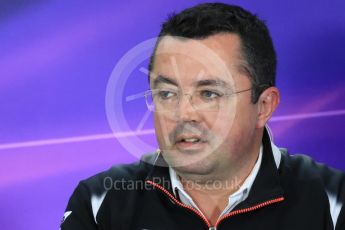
90 194
99 182
302 169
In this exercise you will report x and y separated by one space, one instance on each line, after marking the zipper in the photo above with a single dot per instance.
245 210
180 203
233 213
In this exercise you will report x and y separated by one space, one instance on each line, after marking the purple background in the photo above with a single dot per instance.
55 61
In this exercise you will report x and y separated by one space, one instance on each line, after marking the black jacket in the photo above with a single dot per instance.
139 196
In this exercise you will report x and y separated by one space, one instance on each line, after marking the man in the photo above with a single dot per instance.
212 80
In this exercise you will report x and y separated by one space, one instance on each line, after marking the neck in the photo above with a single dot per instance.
212 194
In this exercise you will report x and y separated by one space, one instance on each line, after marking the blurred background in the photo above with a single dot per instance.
56 58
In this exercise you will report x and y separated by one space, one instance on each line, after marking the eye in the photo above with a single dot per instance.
166 94
208 94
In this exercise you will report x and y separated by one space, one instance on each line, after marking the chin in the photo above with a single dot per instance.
193 169
187 164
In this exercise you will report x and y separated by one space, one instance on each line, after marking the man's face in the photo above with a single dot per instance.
196 141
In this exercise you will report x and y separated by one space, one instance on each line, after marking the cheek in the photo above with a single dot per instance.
229 138
220 125
163 127
232 128
246 114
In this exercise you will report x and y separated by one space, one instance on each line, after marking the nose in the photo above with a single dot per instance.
185 109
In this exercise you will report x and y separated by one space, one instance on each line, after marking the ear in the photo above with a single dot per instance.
267 104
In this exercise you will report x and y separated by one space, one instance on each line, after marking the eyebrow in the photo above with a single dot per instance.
211 82
161 80
206 82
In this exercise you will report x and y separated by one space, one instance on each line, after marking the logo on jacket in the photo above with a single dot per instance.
65 216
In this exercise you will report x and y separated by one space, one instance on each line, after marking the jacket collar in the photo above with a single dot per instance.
159 172
266 185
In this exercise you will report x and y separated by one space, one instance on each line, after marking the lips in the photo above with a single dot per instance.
190 143
189 139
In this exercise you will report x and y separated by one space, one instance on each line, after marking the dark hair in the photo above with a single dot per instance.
204 20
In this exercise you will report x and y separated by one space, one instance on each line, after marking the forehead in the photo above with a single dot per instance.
189 60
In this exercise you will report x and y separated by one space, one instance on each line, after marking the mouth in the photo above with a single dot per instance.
186 142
